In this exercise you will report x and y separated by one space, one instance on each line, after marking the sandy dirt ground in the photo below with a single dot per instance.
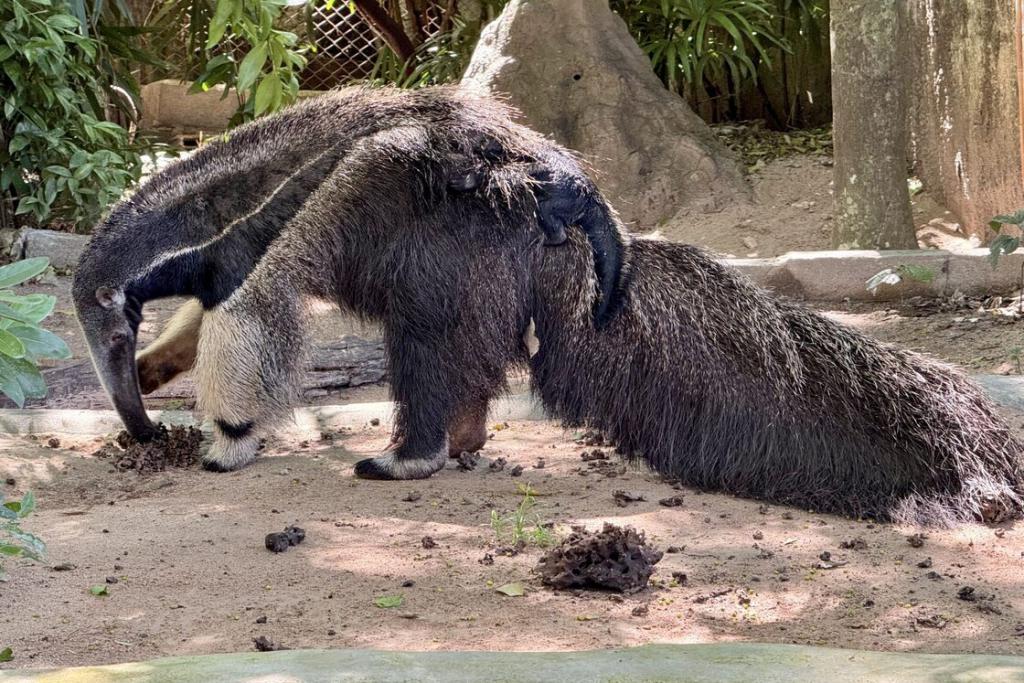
792 211
182 556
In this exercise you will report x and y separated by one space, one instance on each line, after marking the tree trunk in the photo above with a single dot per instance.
386 27
869 101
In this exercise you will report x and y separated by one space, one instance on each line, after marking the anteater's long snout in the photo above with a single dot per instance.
114 359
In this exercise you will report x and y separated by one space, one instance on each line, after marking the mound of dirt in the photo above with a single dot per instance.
176 446
614 558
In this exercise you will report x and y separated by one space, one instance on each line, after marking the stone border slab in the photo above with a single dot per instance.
309 421
839 275
708 663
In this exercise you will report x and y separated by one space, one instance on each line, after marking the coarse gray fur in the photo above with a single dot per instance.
347 198
713 381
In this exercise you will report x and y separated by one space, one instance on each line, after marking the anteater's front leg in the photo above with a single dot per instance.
247 371
426 391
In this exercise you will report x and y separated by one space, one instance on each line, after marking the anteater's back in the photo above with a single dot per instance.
713 381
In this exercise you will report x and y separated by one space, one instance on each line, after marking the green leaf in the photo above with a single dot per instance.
10 345
19 271
251 67
918 273
267 94
31 308
1003 244
219 22
6 654
388 601
99 590
1012 219
513 590
28 504
40 343
20 379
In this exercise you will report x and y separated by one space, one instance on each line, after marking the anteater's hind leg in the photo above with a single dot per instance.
247 370
174 351
467 430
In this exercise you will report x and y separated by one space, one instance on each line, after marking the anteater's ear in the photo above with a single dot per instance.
109 297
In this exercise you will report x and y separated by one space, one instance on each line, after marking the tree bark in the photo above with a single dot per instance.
386 27
869 100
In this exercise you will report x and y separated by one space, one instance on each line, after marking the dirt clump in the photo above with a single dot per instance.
174 446
614 558
282 540
264 644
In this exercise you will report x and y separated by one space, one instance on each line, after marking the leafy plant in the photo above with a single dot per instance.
265 79
14 541
388 601
703 44
894 276
58 157
522 525
22 341
1005 244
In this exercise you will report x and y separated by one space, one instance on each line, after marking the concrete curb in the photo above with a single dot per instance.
709 663
813 275
840 275
309 421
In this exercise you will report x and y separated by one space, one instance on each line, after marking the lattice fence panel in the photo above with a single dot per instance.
346 47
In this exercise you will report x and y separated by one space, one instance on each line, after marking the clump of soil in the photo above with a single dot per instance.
615 558
176 446
282 540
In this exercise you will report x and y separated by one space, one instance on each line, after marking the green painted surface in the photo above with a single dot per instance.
714 663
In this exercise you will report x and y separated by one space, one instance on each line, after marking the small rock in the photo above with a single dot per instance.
758 535
53 442
412 497
487 560
672 501
264 644
540 464
624 498
749 242
926 563
967 594
854 544
916 540
640 611
516 471
63 567
428 542
680 578
375 422
280 541
111 580
497 465
261 620
934 621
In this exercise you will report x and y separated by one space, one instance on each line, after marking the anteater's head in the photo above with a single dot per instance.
109 309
